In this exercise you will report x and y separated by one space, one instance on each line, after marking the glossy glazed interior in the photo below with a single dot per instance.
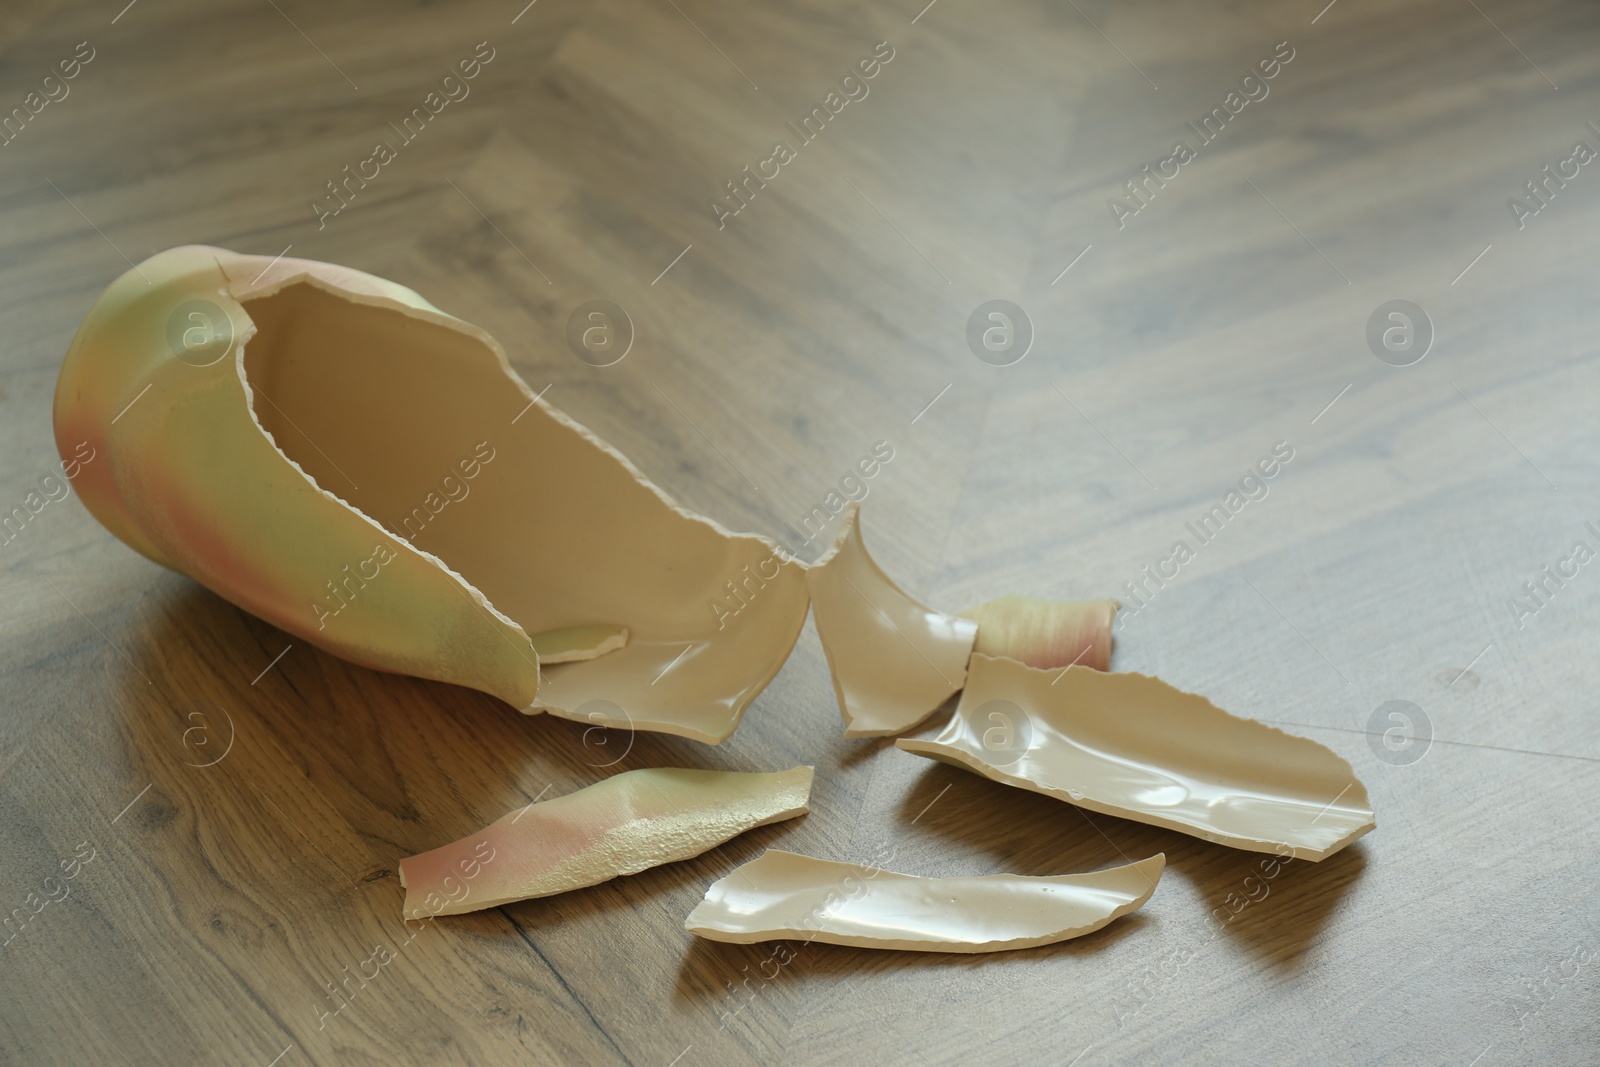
621 825
573 644
893 660
184 475
782 895
1134 746
372 408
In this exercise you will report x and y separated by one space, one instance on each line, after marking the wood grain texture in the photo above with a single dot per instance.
223 902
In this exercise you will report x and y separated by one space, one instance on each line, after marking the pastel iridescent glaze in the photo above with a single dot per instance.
332 453
621 825
1045 633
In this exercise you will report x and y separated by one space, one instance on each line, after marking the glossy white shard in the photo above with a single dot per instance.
782 896
894 660
1134 746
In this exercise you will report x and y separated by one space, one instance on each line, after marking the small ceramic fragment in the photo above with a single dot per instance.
624 824
1133 746
1046 633
572 644
332 453
783 896
893 660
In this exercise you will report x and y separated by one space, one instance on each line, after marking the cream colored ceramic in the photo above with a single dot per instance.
1046 633
573 644
1132 745
784 896
332 453
622 825
894 660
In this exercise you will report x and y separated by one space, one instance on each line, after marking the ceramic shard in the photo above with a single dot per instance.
1046 633
332 453
1134 746
624 824
783 896
893 660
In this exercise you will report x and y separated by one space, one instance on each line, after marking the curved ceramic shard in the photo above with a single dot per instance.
329 451
1133 746
624 824
1046 633
782 896
893 660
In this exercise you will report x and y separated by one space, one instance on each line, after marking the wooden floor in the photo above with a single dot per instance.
214 909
